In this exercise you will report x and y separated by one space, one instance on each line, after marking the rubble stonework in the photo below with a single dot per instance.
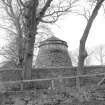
53 52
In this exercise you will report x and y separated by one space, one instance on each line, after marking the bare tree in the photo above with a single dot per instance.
34 15
99 54
10 51
12 24
74 58
26 17
14 50
82 50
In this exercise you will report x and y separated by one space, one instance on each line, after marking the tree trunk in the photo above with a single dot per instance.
28 58
20 52
19 42
31 29
32 20
82 50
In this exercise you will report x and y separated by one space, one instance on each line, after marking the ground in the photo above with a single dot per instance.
64 96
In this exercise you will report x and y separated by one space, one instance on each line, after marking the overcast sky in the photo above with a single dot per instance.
70 28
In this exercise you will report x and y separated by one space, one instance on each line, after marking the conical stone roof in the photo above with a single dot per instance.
53 40
53 52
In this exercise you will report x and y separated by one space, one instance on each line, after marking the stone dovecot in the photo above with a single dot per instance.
53 52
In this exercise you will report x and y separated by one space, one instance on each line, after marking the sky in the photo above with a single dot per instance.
71 27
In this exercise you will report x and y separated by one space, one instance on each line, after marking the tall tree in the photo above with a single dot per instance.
14 50
35 14
26 17
82 50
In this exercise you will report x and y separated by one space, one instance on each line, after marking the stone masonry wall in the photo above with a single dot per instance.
15 75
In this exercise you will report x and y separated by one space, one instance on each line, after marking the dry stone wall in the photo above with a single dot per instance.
58 73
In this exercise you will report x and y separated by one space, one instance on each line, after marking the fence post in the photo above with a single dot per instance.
52 84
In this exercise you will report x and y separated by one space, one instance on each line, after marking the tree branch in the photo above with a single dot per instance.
44 9
6 28
21 2
58 12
